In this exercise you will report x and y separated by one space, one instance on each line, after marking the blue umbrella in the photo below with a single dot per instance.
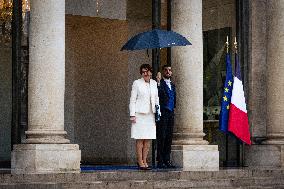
155 39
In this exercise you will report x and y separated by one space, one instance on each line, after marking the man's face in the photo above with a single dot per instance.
167 72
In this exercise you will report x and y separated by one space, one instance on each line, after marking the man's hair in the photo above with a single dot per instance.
147 67
167 65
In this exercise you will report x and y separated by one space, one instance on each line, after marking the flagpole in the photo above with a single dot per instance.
236 45
227 137
239 160
227 44
241 146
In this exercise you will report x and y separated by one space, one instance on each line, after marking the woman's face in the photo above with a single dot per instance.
146 74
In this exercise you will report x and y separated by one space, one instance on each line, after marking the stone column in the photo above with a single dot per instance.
189 150
46 150
275 80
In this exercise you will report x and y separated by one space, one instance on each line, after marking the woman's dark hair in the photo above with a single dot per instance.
147 67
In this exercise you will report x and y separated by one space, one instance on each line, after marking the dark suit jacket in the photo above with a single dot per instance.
163 93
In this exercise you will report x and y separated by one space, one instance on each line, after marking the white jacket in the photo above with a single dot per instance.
139 97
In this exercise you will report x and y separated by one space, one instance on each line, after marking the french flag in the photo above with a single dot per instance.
238 118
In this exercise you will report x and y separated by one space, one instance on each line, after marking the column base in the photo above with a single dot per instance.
46 137
264 155
196 157
187 138
45 158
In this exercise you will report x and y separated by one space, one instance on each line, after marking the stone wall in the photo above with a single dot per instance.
96 102
218 14
99 78
112 9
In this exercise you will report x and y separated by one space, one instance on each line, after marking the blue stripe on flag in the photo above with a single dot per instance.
237 68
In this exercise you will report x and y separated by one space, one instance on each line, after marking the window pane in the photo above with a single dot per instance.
218 23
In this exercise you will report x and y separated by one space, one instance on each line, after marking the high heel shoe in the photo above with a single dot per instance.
141 168
147 167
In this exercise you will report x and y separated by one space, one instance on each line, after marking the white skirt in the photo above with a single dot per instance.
145 126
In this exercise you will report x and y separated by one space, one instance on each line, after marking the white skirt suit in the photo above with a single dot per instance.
144 97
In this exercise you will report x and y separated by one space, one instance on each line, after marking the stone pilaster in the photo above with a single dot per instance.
267 62
275 72
275 80
46 150
189 150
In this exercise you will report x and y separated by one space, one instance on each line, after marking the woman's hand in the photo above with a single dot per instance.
133 119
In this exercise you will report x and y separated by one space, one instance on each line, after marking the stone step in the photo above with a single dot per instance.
262 182
139 175
217 183
155 179
244 187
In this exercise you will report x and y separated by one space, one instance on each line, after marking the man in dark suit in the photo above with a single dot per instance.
167 97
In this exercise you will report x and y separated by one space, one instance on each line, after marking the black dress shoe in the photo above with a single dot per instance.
148 168
161 166
144 168
169 165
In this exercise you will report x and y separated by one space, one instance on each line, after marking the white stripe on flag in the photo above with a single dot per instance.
238 96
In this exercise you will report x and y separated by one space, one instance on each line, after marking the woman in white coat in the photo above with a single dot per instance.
144 97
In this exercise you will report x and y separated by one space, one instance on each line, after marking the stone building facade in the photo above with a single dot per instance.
79 82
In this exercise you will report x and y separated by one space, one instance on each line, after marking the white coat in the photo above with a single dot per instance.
139 97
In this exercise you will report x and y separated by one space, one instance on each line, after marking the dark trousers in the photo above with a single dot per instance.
165 135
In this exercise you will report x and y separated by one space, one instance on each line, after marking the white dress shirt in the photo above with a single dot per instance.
168 82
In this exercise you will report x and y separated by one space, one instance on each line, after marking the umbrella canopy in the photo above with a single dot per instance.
155 39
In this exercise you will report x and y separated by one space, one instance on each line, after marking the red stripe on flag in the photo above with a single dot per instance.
238 124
